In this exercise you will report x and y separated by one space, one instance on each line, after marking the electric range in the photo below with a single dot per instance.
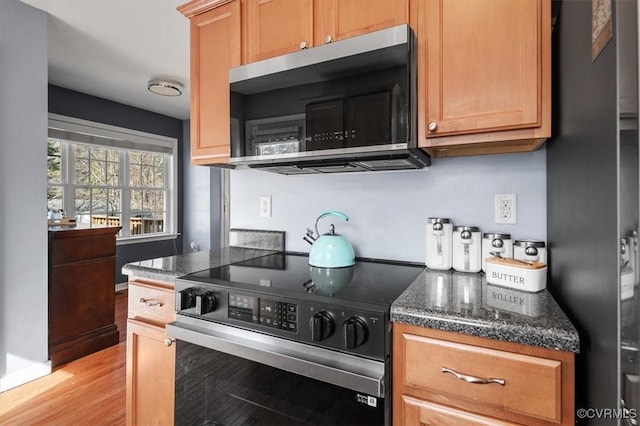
329 326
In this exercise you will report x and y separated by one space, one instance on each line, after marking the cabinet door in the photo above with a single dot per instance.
276 27
215 47
486 69
150 375
418 412
340 19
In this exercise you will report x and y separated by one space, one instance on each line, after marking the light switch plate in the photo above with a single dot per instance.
265 206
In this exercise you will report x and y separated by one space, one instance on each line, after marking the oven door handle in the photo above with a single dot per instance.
344 370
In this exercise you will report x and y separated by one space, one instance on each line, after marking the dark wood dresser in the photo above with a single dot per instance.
82 265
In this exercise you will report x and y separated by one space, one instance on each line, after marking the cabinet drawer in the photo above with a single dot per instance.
151 302
532 385
419 412
65 250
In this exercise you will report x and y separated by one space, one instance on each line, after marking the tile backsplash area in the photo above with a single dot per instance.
388 210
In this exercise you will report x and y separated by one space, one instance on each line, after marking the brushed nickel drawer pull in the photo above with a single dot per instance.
471 379
149 302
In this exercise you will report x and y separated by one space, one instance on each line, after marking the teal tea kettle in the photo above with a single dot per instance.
331 250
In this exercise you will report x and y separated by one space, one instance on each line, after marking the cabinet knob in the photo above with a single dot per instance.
432 126
328 39
169 341
303 45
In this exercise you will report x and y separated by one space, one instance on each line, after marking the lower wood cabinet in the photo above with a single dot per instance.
419 412
442 378
82 265
150 356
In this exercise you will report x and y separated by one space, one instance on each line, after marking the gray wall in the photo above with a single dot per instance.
201 195
74 104
388 210
582 201
23 179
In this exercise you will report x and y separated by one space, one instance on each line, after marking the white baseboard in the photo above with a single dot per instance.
21 377
122 286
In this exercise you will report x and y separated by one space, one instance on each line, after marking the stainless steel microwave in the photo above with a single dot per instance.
346 106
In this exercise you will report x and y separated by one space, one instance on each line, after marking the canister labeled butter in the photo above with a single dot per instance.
467 249
438 238
495 244
530 250
518 274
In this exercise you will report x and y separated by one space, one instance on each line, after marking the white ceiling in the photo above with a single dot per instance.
111 48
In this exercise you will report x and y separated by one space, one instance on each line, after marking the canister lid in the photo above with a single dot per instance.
495 235
438 220
529 243
467 228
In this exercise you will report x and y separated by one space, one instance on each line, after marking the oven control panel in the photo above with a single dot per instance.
263 311
348 329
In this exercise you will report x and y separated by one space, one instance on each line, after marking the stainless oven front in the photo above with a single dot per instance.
231 376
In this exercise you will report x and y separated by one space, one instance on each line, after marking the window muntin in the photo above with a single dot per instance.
101 177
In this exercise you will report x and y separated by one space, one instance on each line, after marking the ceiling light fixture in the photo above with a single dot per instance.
165 87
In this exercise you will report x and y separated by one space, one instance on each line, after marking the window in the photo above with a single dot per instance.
108 176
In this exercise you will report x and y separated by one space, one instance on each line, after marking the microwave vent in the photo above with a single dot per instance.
390 164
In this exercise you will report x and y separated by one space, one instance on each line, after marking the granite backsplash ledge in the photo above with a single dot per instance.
245 244
465 303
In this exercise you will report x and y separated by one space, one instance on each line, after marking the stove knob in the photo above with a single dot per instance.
205 303
355 332
186 299
322 326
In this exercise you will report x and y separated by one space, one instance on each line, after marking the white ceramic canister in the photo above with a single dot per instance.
498 243
438 239
530 250
467 249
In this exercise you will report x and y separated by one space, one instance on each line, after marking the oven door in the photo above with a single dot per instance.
230 376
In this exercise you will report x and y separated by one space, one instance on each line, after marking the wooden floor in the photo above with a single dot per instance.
87 391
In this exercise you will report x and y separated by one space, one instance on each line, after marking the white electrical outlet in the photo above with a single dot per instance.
505 209
265 206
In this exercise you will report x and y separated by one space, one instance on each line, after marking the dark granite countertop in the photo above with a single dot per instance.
466 303
171 267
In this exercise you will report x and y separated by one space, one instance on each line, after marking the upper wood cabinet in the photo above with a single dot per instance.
215 47
484 75
340 19
276 27
484 67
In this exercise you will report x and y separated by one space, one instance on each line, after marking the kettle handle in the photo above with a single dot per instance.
331 213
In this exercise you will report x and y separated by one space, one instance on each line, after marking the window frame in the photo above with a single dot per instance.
135 140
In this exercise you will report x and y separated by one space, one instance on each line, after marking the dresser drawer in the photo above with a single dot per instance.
151 302
532 385
418 412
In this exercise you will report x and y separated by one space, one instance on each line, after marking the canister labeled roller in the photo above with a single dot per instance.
438 241
495 244
530 250
467 249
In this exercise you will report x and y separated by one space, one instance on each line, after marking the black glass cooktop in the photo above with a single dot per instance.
290 275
